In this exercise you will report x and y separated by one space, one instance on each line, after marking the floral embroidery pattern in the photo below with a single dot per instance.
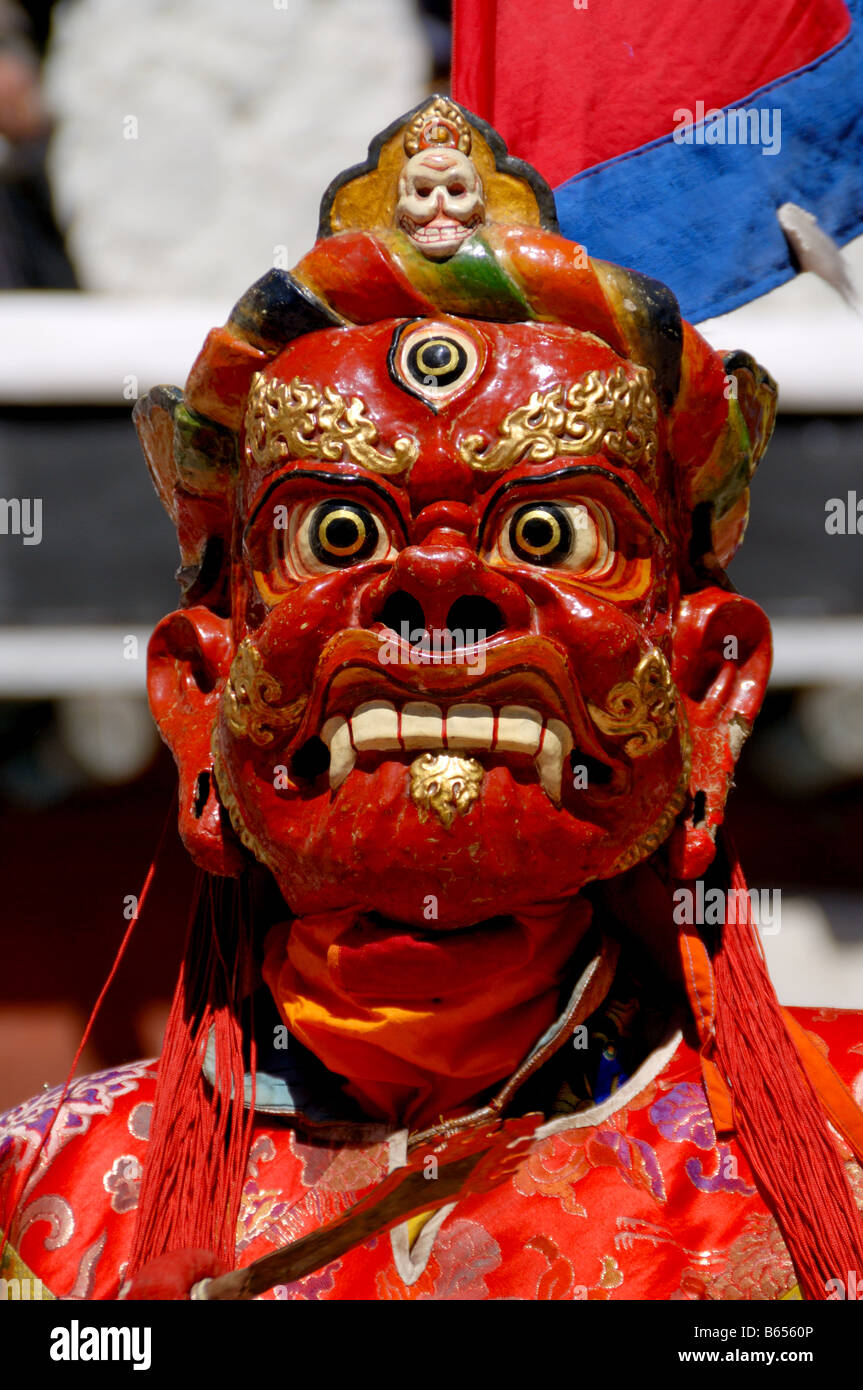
139 1120
22 1131
650 1183
124 1183
726 1177
556 1166
684 1114
757 1266
342 1170
464 1255
552 1170
311 1287
634 1160
23 1127
261 1211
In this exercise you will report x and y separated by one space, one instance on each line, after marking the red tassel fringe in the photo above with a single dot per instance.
200 1135
779 1119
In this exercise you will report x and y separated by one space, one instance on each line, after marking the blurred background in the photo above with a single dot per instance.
154 162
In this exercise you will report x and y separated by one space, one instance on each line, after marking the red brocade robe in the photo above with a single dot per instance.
632 1198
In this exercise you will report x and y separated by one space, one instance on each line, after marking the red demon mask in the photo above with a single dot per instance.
455 582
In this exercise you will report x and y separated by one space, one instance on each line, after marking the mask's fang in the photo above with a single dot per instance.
336 734
556 746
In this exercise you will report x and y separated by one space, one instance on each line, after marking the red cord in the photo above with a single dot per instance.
10 1213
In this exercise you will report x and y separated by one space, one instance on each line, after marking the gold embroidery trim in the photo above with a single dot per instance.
252 699
642 710
611 412
235 814
293 419
659 832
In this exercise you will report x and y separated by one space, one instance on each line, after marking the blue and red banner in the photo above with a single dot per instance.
672 134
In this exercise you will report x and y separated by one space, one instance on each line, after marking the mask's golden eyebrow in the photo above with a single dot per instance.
295 419
537 481
613 412
340 482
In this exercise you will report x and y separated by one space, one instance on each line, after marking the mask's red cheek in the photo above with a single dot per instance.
292 635
602 641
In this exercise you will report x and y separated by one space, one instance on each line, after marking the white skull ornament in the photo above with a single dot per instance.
440 201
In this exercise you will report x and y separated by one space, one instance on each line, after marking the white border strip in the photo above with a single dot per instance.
92 349
597 1114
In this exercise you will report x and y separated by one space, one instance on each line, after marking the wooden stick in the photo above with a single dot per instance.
368 1217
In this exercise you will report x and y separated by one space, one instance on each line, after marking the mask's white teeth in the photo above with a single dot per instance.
469 726
421 726
336 734
556 745
519 729
375 726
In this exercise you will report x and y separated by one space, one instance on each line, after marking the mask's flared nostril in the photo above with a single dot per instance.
403 610
473 614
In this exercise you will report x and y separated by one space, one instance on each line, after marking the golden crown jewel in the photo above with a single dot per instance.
439 124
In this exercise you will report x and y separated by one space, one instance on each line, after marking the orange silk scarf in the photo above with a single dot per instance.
421 1022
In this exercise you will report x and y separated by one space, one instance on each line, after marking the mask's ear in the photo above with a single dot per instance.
722 655
188 661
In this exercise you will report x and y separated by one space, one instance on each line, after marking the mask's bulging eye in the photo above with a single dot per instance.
341 533
305 539
577 536
540 534
334 534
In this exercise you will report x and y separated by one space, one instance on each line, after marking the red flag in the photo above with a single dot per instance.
571 84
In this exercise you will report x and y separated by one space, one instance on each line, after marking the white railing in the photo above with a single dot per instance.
83 349
56 662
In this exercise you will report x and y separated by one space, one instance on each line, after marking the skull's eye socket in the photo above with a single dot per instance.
341 533
423 190
457 189
540 534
